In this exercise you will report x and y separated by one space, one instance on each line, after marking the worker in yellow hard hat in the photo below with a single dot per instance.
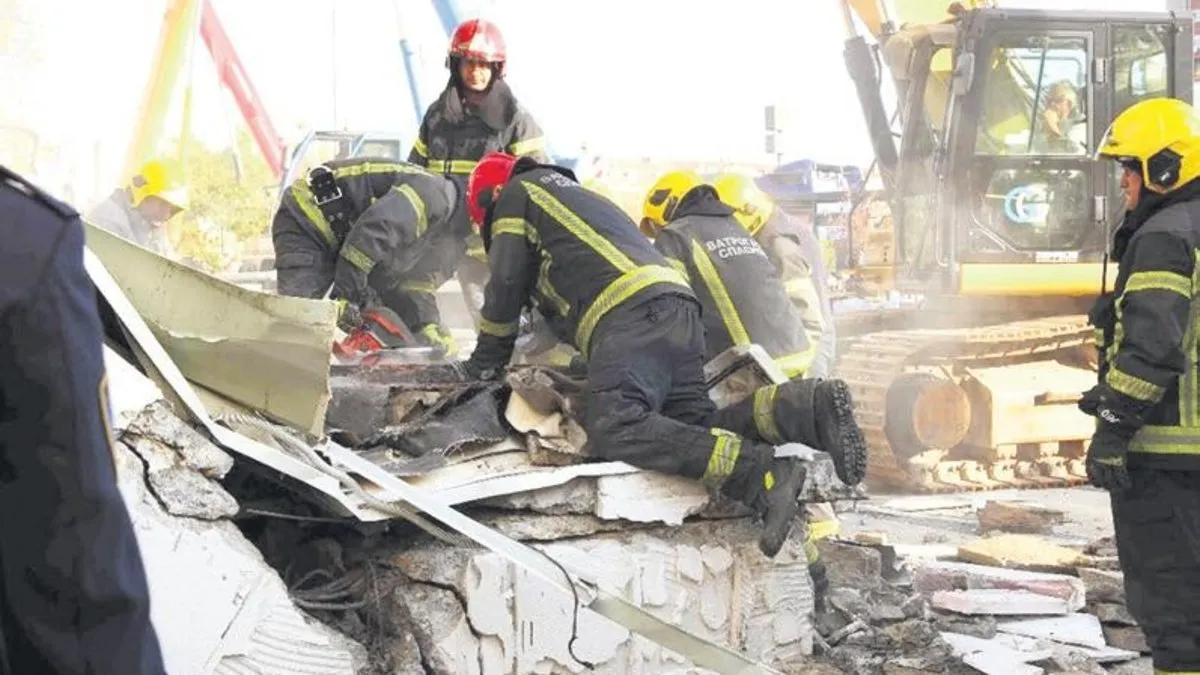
796 255
139 211
1146 447
744 302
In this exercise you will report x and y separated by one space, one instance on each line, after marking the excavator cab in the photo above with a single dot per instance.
994 188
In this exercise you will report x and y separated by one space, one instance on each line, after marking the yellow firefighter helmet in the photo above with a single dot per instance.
162 178
1159 136
663 198
752 206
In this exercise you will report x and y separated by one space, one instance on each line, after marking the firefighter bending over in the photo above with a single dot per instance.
139 211
1146 448
742 298
476 114
607 291
796 254
382 233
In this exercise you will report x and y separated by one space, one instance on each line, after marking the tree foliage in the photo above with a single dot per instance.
232 200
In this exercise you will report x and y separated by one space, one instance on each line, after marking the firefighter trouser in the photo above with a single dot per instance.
1157 525
647 404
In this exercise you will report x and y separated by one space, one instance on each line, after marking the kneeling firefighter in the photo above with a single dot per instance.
744 302
604 289
1146 448
383 234
796 253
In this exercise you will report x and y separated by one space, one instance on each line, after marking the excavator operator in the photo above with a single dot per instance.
476 114
743 299
384 234
1146 448
606 290
140 210
796 255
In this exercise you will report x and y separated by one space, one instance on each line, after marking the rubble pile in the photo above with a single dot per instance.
887 613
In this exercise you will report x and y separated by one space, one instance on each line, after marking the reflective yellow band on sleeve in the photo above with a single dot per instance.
727 446
498 329
357 258
1159 281
308 206
796 365
419 148
1163 440
515 226
423 287
418 205
623 288
527 146
461 167
764 414
373 168
1134 387
680 267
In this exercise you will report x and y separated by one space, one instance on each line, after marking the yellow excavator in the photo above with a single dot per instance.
998 218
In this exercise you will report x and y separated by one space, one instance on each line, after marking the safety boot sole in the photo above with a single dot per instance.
839 432
781 505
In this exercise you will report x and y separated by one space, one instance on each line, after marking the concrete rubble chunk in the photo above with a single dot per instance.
1022 551
1103 585
576 497
995 658
1001 602
1111 612
538 527
194 450
438 621
1015 517
930 576
1130 638
1098 655
707 577
851 565
1142 666
1075 629
181 490
647 497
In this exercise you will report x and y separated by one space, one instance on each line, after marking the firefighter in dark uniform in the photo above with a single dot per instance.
1146 448
604 289
382 233
73 594
476 114
740 291
796 254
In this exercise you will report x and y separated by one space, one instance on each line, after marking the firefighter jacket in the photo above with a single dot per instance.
743 298
375 214
796 254
1147 328
454 136
572 253
118 215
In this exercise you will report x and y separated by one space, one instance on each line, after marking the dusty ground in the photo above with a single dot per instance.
951 519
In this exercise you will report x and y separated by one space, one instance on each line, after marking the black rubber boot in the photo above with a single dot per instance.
820 414
777 502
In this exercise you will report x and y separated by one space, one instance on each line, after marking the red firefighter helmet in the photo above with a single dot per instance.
478 40
491 172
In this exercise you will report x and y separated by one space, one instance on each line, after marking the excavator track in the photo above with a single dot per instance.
876 360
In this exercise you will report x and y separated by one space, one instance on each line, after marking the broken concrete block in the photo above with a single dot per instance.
239 617
577 497
999 602
932 575
851 565
181 490
1127 637
1013 517
994 658
1074 629
1073 663
1021 551
1029 644
649 497
438 621
983 627
195 451
538 527
707 577
1103 585
871 538
404 655
1111 612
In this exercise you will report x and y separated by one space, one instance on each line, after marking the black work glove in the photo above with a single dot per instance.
578 366
1119 419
